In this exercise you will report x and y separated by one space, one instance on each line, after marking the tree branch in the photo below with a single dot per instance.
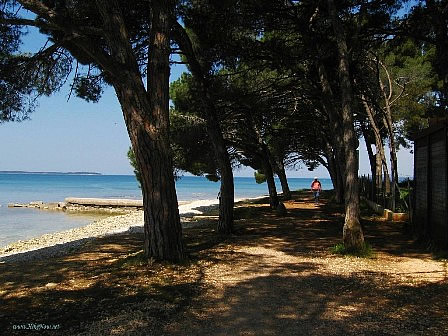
39 8
32 23
115 32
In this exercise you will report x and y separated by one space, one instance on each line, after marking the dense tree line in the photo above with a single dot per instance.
270 84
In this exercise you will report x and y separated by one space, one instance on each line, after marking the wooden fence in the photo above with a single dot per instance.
383 197
430 218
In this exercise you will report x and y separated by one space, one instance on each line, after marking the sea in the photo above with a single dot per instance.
24 223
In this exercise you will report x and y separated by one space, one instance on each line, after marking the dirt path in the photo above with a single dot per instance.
285 281
275 276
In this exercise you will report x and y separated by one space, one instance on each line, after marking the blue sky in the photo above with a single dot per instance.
75 135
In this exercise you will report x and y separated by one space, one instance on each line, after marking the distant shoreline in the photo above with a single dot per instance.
20 172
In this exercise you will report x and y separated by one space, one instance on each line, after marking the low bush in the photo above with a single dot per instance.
364 252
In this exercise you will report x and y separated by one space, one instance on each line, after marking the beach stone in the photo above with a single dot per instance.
51 285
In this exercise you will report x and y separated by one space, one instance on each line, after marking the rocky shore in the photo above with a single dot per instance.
77 205
59 243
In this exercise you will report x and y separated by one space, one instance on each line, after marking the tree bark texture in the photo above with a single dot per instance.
352 232
147 120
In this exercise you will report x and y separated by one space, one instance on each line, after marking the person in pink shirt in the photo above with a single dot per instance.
316 188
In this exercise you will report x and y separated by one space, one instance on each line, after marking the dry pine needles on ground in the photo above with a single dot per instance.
276 275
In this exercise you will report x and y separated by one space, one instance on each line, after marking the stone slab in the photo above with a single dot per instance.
104 202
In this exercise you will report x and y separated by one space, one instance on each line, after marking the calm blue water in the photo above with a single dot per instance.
19 223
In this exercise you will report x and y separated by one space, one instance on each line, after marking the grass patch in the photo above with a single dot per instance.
134 259
365 251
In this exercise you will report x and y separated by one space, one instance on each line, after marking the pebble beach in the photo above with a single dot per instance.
59 243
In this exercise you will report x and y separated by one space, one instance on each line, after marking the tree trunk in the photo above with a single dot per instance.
162 229
269 173
227 197
163 232
332 171
226 200
380 159
379 176
372 160
336 180
381 164
337 141
226 193
147 121
335 174
393 159
388 123
340 170
352 232
265 158
281 173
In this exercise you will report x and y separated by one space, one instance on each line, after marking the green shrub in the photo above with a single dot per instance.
364 252
259 177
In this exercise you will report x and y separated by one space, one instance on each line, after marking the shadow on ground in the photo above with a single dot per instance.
107 288
316 304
